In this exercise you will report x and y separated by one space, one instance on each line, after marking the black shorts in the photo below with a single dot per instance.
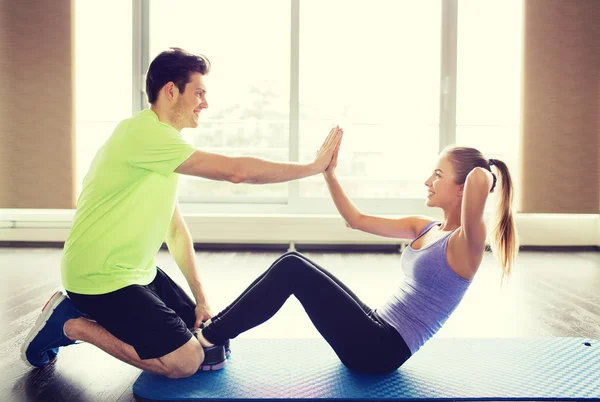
155 319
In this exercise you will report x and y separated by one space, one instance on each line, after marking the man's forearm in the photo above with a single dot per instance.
259 171
181 248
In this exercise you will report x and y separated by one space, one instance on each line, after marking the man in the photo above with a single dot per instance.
117 299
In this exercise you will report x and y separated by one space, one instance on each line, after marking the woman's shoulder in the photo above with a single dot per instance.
462 257
423 223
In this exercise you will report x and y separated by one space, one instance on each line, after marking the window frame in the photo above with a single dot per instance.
294 203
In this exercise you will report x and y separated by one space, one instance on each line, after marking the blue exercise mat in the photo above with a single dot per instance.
445 368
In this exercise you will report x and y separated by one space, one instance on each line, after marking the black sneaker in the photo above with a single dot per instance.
227 347
227 344
215 358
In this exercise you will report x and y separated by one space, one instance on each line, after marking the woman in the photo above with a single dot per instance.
439 265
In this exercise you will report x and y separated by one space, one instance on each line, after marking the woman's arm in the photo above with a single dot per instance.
477 188
402 228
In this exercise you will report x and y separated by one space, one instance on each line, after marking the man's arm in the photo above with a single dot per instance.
254 170
181 247
243 169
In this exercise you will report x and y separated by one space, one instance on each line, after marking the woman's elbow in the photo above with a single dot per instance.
353 223
477 173
478 176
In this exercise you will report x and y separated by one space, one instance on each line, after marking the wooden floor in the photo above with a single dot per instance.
550 294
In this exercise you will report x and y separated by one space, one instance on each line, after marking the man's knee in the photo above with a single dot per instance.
185 361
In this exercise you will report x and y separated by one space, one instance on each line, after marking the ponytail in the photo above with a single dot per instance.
503 236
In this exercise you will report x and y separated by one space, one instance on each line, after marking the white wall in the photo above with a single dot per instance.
534 229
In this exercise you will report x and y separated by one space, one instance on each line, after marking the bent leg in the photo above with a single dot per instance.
180 363
336 280
136 326
347 325
303 257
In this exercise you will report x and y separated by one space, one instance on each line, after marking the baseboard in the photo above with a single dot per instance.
282 247
558 230
563 249
538 230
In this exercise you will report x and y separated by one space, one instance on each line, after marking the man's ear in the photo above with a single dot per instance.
461 189
171 91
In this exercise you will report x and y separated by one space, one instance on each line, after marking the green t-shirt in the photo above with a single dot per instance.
125 207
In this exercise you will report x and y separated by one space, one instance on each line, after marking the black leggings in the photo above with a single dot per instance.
359 337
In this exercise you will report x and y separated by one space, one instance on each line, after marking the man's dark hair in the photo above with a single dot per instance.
174 65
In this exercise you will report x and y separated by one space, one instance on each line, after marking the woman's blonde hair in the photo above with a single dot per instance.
503 235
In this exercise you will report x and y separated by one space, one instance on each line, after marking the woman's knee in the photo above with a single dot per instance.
296 253
290 263
289 254
302 257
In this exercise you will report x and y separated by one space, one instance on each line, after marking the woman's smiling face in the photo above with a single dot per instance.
442 190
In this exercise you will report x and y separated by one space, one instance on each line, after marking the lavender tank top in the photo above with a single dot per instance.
431 291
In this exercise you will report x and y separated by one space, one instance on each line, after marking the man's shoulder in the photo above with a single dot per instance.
146 121
144 118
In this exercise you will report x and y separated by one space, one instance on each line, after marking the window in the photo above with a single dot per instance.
285 71
248 45
488 96
103 78
374 67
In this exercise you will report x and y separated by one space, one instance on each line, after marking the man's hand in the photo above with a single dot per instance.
325 154
330 171
203 313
